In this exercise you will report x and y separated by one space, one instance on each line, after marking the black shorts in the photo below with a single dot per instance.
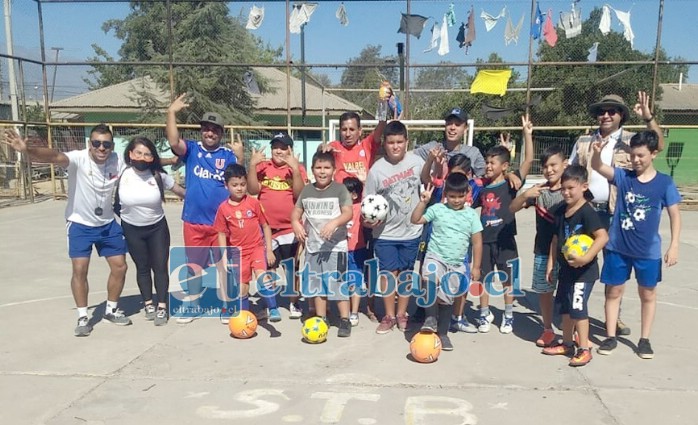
573 298
498 254
284 252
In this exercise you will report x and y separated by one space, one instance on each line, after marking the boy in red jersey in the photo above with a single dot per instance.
278 182
237 222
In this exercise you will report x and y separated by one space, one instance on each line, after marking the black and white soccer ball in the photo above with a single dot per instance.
374 208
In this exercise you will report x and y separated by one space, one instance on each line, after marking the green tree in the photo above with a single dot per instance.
200 32
368 77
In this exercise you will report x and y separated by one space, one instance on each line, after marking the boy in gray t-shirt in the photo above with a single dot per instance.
397 178
326 207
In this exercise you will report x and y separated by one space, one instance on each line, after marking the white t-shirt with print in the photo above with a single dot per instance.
91 186
139 195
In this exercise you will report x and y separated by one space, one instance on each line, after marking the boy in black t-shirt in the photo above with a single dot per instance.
547 199
576 275
499 227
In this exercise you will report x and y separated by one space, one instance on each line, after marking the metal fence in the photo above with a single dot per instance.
131 93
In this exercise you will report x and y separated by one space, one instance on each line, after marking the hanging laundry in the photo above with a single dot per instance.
491 21
537 24
251 83
470 35
511 32
593 51
460 37
444 47
299 16
605 24
571 22
254 20
341 14
491 82
451 15
412 24
624 18
435 35
549 31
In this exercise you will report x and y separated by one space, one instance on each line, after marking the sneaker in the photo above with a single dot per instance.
149 312
83 328
582 358
483 323
386 325
160 317
274 315
344 328
295 311
185 320
546 338
507 326
430 325
117 317
402 320
559 349
644 349
446 344
622 329
607 346
462 325
354 319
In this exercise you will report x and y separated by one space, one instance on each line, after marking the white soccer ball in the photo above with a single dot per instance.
374 208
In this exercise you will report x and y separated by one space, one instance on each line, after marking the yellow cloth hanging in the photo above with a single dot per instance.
491 82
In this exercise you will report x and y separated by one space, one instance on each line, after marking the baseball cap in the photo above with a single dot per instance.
459 113
212 118
283 138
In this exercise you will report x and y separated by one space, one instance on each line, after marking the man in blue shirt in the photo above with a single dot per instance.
205 162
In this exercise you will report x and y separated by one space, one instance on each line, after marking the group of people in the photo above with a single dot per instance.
607 189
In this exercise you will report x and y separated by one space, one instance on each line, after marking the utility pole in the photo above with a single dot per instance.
55 69
10 61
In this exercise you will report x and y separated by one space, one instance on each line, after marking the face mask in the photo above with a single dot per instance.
140 165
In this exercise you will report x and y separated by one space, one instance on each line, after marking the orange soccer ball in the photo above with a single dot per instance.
243 324
425 347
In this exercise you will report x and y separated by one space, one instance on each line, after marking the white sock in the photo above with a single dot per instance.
111 306
82 312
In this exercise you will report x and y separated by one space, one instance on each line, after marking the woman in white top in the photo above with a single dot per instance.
140 194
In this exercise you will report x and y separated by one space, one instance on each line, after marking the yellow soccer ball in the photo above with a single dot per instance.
314 330
576 246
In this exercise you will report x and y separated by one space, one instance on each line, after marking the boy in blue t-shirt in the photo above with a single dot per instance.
634 234
456 226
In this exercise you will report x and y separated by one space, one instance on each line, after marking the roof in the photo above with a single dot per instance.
674 99
123 97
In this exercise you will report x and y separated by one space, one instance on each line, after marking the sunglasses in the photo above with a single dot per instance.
610 112
107 144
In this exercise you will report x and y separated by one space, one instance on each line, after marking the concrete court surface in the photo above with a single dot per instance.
196 373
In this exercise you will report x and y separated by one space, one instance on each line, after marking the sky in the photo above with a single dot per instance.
74 27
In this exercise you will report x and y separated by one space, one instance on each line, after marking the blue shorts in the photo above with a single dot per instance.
355 263
573 298
396 256
108 239
617 267
540 284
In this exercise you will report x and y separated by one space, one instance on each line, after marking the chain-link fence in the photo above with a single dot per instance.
261 87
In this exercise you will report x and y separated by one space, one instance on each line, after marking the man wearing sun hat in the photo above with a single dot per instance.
611 113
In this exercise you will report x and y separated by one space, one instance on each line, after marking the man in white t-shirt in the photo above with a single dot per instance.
611 113
92 174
